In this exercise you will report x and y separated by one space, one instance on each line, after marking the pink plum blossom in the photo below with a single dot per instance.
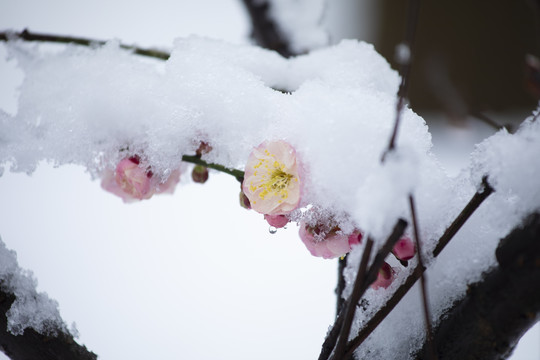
384 277
328 246
277 221
133 181
271 181
169 185
404 249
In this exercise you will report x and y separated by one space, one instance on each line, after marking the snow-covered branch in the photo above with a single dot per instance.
499 309
30 324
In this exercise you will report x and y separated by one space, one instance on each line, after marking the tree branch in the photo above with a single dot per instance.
194 159
423 283
369 277
61 39
35 346
488 322
265 31
458 222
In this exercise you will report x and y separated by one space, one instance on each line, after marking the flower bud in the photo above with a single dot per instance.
355 238
204 148
199 174
384 277
404 249
244 201
277 221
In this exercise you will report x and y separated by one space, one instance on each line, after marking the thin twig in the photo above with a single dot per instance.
359 285
31 36
458 222
405 68
379 316
342 264
432 355
194 159
331 338
489 121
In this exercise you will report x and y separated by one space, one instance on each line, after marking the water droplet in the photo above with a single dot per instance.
272 230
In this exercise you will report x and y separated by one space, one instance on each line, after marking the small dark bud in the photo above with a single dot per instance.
199 174
244 201
204 148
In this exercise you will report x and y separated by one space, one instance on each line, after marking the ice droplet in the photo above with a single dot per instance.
272 230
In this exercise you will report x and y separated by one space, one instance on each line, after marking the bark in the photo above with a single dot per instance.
498 310
34 346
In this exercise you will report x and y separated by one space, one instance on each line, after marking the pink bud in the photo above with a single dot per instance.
384 277
277 221
404 249
244 201
355 238
199 174
332 245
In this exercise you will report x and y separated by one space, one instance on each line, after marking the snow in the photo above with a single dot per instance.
342 97
338 114
31 309
108 100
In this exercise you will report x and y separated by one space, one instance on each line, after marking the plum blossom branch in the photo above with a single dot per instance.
358 289
500 308
454 227
423 287
462 217
62 39
406 63
194 159
366 280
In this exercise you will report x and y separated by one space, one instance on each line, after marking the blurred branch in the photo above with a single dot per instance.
501 307
265 31
405 66
35 346
30 36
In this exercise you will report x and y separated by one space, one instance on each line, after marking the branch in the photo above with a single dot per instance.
405 69
30 36
360 285
342 264
500 308
194 159
366 280
265 31
35 346
423 283
458 222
